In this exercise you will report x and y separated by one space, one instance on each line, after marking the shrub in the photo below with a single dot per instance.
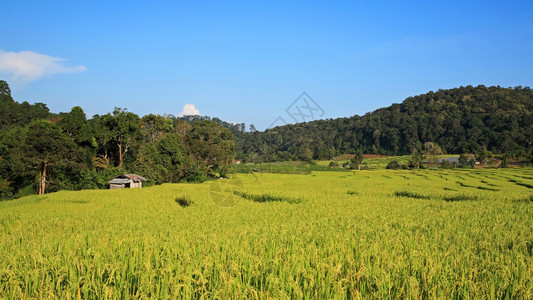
183 201
333 164
393 165
266 198
463 160
459 198
411 195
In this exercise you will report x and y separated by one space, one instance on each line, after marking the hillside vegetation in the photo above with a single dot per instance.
43 152
461 120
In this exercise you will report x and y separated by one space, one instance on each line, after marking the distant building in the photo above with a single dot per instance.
126 181
454 161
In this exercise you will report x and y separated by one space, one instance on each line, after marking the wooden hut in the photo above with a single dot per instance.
126 181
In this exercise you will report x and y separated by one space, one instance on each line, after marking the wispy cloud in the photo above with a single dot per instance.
28 66
189 110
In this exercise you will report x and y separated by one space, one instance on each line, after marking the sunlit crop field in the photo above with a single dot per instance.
369 234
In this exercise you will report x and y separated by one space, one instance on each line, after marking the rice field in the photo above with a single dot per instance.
363 234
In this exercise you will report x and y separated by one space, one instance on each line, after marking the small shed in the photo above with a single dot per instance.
453 160
126 181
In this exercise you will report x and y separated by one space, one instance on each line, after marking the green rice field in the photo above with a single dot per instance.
335 235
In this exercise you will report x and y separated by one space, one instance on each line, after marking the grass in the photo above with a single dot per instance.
294 167
140 243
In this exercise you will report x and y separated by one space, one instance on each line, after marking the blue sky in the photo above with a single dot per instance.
248 61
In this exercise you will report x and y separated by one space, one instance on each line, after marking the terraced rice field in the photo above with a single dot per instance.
362 234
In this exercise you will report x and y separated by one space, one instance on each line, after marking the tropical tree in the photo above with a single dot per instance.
104 138
357 159
75 125
4 89
463 160
46 148
305 154
432 151
416 159
155 126
124 127
213 145
162 161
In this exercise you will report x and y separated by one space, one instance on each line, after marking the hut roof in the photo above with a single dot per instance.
119 181
123 179
135 177
452 160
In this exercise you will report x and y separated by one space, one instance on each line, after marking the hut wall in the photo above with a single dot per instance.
136 184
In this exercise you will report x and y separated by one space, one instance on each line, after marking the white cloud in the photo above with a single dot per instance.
189 110
27 66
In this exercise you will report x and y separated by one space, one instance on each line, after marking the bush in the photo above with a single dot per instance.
460 198
463 160
6 191
411 195
393 165
333 164
365 166
266 198
183 201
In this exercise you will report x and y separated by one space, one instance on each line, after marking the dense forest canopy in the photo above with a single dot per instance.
42 152
461 120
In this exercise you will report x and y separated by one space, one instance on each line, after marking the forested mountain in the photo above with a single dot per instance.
461 120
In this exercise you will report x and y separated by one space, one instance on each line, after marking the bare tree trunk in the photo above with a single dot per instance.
119 153
122 145
42 180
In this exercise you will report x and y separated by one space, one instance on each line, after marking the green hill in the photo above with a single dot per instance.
460 120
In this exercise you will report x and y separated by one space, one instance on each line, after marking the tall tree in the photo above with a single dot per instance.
75 125
21 114
211 144
103 137
124 126
4 88
463 160
416 159
46 147
162 161
155 126
358 159
432 152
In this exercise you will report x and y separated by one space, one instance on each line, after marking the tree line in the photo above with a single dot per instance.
43 152
461 120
